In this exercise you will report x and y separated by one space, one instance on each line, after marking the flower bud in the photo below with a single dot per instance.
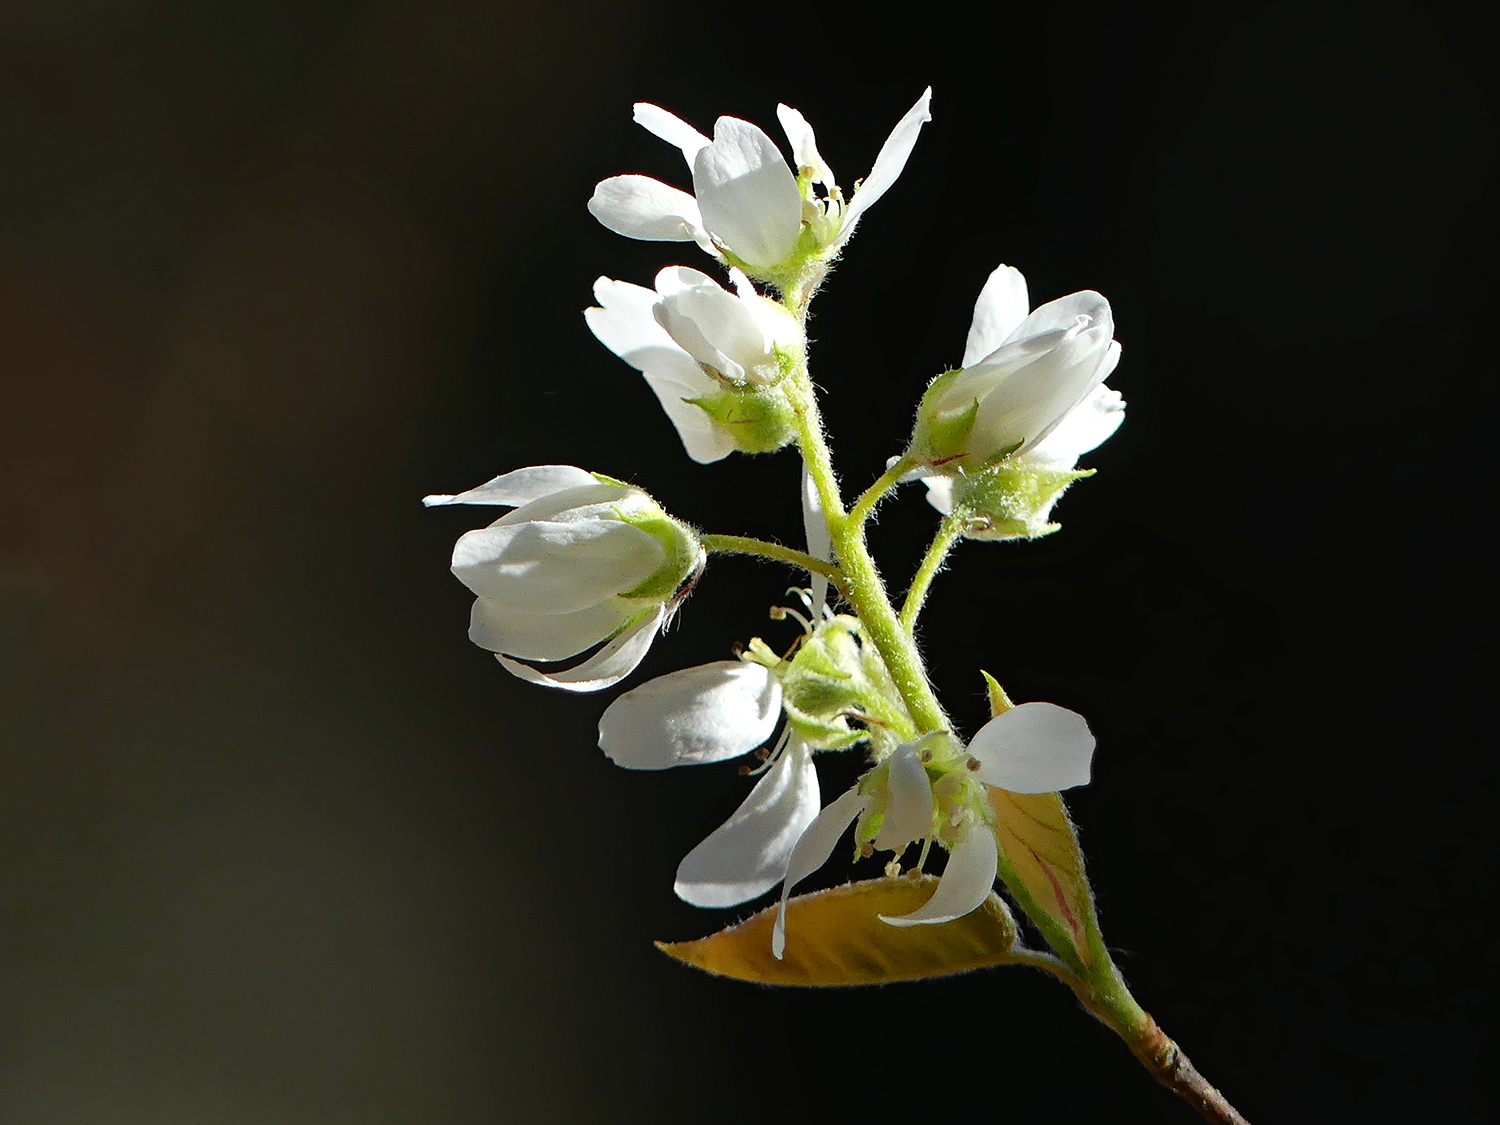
583 560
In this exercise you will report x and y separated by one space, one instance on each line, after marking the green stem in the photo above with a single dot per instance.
865 591
932 562
871 496
745 545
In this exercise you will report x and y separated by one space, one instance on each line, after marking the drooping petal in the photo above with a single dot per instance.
519 487
812 850
819 544
747 855
626 324
1086 426
888 163
670 128
555 567
747 195
908 809
703 714
1002 305
640 207
605 668
967 882
1034 748
500 627
799 135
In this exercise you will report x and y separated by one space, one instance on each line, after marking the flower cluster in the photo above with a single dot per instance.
587 569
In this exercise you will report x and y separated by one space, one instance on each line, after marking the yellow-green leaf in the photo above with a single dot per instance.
1040 848
835 937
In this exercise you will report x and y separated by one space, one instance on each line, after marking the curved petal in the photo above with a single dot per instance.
703 714
819 544
747 195
1085 427
1034 748
605 668
799 135
520 487
967 882
1002 305
812 850
713 325
555 567
670 128
550 636
908 809
625 323
640 207
747 855
888 163
704 439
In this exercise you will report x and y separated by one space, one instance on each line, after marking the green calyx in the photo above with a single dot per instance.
1011 500
680 546
941 435
836 676
759 419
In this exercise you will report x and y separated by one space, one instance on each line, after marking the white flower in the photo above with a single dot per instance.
708 714
1031 386
583 560
747 205
707 353
1033 748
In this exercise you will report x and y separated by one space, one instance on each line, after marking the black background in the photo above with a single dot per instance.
278 845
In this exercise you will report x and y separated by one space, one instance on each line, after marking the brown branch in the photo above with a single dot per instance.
1169 1066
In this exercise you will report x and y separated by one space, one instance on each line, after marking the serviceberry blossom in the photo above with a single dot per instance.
748 207
583 560
712 357
932 790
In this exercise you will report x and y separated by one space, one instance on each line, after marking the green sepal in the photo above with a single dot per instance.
1011 500
941 435
679 544
759 419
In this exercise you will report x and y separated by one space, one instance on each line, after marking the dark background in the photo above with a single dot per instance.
278 845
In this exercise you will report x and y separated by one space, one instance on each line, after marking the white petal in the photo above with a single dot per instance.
940 493
605 668
1085 427
1003 304
908 809
812 850
600 500
640 207
819 545
967 882
712 325
626 324
520 487
670 128
550 567
703 714
704 439
746 193
1034 748
504 628
1028 386
747 855
888 163
799 135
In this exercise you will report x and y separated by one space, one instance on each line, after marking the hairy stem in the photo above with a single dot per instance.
745 545
865 505
864 588
932 562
